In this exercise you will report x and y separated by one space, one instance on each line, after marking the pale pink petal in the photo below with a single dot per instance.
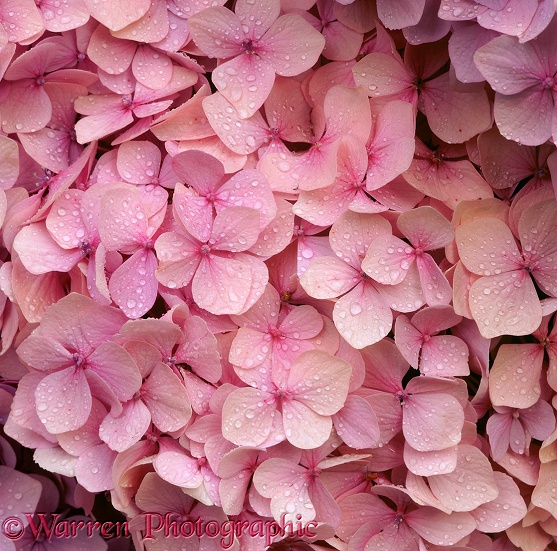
332 372
329 277
174 465
469 113
515 376
63 400
508 67
408 340
297 417
117 15
505 304
152 68
432 421
65 223
166 398
362 316
97 126
93 469
537 230
9 169
504 511
151 27
133 286
26 108
430 462
179 258
211 29
444 356
539 420
235 229
229 284
21 496
278 233
487 247
231 76
426 227
44 353
545 488
356 423
383 75
112 55
439 528
247 417
388 259
241 135
303 322
116 368
21 20
470 485
436 289
122 432
498 428
291 45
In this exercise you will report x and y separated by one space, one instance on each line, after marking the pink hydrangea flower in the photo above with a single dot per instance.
260 43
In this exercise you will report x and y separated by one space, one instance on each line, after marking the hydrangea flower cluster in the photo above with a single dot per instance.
287 261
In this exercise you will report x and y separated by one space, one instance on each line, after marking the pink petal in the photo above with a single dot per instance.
328 277
432 421
111 54
444 356
487 247
251 408
93 469
426 463
296 417
400 13
166 399
21 20
211 28
438 527
537 229
235 229
9 169
122 432
174 465
505 510
515 376
26 108
388 259
469 112
437 290
133 286
138 162
426 227
178 259
230 78
241 135
509 293
116 368
291 45
151 27
408 340
117 14
356 423
21 496
470 485
331 372
63 400
216 291
523 118
362 316
391 149
152 68
65 223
